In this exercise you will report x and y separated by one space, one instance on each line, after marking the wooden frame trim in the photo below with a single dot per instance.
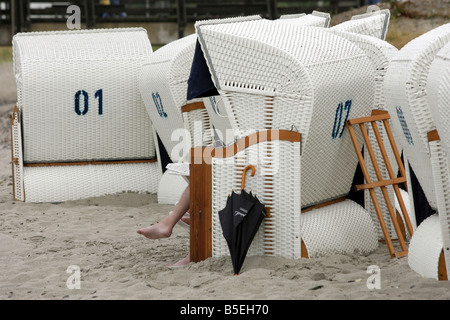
323 204
442 269
380 184
252 139
193 106
433 136
377 115
84 163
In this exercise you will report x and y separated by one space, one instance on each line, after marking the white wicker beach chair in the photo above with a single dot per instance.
256 67
409 81
438 100
81 129
406 100
372 24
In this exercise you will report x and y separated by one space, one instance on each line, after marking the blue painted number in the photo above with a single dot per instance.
339 125
159 105
404 125
81 93
99 96
77 102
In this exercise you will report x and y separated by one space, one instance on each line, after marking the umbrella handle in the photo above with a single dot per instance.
250 166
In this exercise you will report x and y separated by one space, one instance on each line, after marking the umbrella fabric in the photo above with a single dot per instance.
240 221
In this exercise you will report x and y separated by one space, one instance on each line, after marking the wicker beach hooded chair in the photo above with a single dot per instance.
434 235
407 89
371 23
300 85
80 128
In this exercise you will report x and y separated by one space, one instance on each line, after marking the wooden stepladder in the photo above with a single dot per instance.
380 115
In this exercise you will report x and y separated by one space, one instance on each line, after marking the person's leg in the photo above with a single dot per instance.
183 262
186 218
163 229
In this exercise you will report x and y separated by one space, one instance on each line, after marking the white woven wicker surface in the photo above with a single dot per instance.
276 184
62 183
315 19
78 94
218 117
379 52
341 228
425 248
438 85
372 24
198 127
215 105
163 86
269 81
406 101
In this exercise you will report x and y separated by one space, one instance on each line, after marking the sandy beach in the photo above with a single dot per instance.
39 242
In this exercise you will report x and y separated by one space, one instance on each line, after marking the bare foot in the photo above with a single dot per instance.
156 231
183 262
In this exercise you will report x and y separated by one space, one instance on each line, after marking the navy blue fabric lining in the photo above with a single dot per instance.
200 84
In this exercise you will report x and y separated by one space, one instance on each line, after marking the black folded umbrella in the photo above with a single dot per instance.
240 220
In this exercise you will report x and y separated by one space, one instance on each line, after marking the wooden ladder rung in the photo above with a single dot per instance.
381 183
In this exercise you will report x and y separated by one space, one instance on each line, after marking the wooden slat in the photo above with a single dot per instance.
257 137
192 106
200 207
323 204
433 136
85 163
375 117
379 184
442 269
